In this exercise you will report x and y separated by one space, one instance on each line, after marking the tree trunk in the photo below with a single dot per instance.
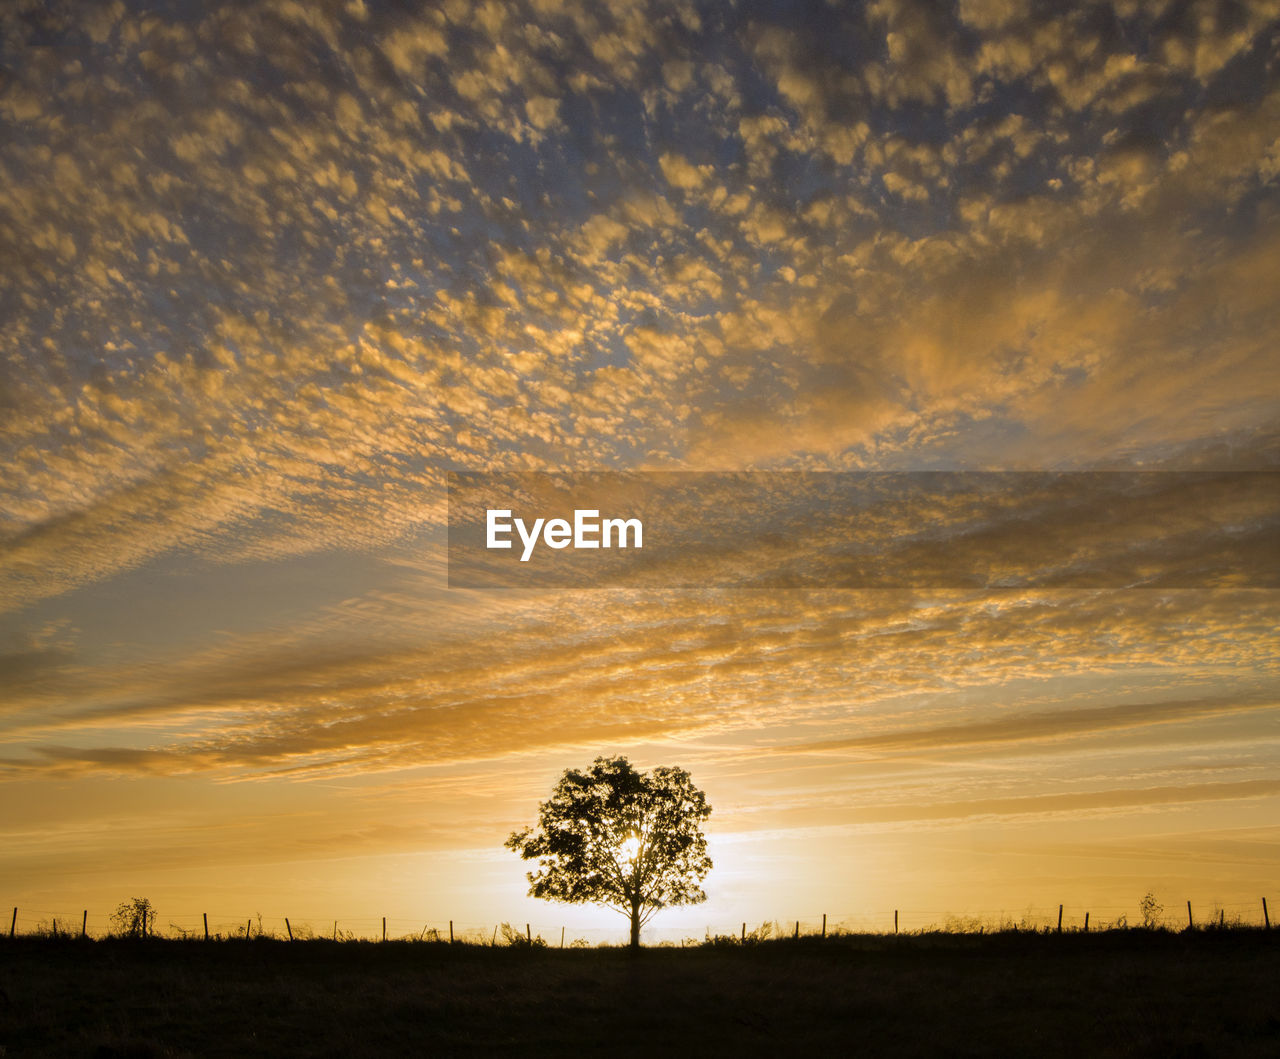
635 928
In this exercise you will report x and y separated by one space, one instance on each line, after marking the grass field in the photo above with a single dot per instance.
1134 992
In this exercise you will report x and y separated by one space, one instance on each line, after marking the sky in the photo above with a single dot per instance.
272 270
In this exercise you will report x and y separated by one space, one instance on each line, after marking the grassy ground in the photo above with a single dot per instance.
1210 993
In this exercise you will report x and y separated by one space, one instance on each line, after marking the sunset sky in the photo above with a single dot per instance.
269 271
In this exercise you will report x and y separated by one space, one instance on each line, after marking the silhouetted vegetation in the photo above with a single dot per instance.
631 841
1151 910
512 938
133 918
1112 993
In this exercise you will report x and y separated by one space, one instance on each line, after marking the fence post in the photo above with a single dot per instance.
1086 922
797 934
451 932
13 923
248 928
494 940
895 921
1059 919
824 925
744 933
206 926
1222 917
1190 922
84 923
288 928
562 937
1266 919
384 928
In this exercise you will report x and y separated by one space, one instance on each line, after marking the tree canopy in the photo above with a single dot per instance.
614 836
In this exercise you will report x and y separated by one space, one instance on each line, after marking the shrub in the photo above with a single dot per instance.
515 939
134 918
751 937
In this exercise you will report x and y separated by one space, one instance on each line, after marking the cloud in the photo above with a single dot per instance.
274 270
198 251
680 173
1052 725
1047 807
572 670
925 63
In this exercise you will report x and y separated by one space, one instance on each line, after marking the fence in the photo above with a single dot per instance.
1063 918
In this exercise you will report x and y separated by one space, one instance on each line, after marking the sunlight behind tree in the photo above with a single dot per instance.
628 840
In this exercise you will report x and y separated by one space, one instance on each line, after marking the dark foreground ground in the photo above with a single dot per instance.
1207 993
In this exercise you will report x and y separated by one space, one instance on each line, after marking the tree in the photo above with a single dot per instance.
628 840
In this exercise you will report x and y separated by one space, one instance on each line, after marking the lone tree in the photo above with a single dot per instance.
629 840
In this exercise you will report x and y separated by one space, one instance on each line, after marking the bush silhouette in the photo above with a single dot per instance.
516 939
134 918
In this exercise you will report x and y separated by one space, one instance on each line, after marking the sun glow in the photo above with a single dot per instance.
630 849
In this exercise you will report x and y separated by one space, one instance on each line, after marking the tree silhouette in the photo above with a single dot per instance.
628 840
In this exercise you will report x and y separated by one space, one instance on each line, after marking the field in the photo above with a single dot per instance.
1134 992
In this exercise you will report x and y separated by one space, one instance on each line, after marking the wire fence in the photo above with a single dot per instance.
94 923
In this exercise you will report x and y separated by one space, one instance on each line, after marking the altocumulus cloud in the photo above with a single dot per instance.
274 268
